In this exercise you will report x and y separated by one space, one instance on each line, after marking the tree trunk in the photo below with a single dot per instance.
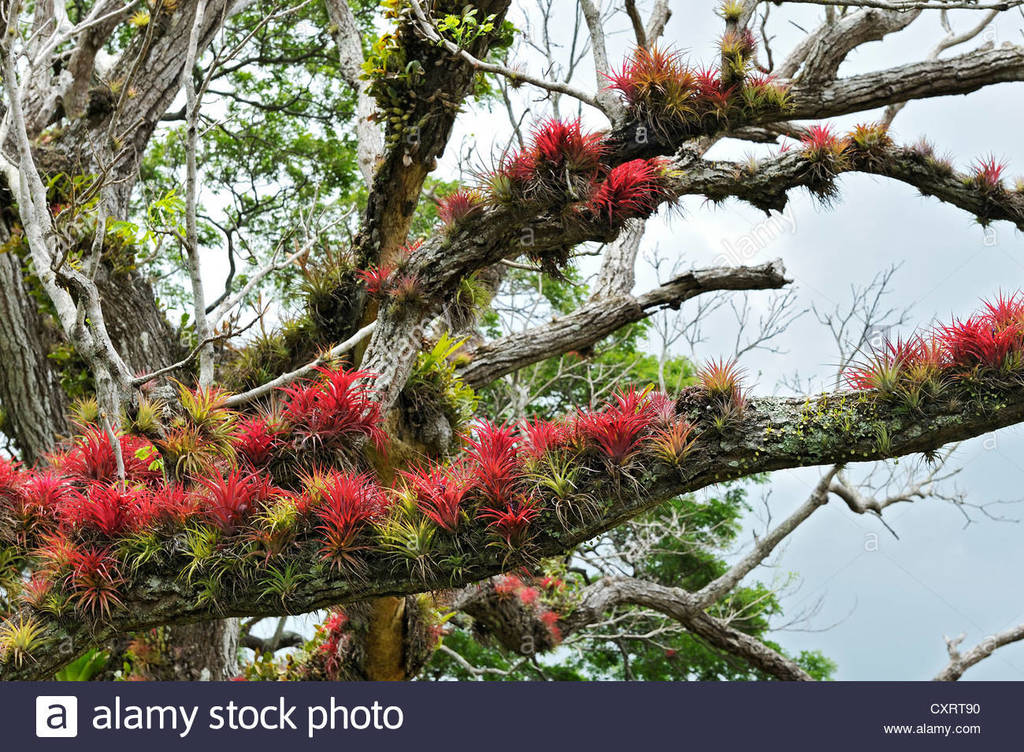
34 406
207 651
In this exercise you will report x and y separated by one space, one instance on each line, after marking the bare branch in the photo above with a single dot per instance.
960 662
600 317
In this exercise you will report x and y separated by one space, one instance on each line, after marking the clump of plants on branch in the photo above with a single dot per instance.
279 498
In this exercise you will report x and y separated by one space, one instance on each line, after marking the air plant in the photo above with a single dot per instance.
85 412
255 441
632 189
186 452
91 458
164 508
282 582
550 620
1006 311
618 435
977 341
36 590
923 375
721 382
11 480
559 165
42 495
559 478
672 444
827 155
883 369
439 492
494 461
528 595
869 139
145 420
657 86
19 638
333 410
206 409
618 431
459 206
139 548
564 145
275 526
714 99
662 408
987 174
541 437
94 580
507 584
55 552
344 505
409 538
228 501
406 289
108 510
377 280
738 47
512 522
764 93
731 11
200 547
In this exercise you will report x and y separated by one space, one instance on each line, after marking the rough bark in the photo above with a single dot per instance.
34 405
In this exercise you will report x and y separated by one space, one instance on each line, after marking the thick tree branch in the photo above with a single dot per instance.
833 42
931 78
771 434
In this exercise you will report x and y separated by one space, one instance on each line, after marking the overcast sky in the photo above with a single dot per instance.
888 601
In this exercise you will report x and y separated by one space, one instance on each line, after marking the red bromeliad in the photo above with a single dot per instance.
457 206
344 504
558 143
440 492
228 501
109 510
91 458
988 173
376 280
821 142
647 73
494 459
256 440
94 578
335 407
633 189
542 436
512 522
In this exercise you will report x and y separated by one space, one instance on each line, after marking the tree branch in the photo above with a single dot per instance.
609 592
771 434
600 317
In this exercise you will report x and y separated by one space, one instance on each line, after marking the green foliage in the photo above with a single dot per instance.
435 387
465 29
85 667
283 150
